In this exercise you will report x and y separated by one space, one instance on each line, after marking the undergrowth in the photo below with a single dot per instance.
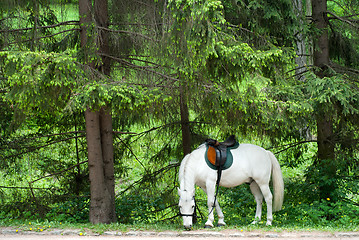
136 212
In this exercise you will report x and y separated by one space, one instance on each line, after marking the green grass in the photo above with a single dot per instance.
43 226
66 12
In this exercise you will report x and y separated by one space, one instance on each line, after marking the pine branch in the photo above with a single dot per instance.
40 27
120 132
30 149
12 187
130 149
136 24
45 136
343 69
57 173
127 32
290 145
143 68
342 19
54 134
46 36
150 176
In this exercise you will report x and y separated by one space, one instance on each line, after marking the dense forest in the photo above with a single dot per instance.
101 99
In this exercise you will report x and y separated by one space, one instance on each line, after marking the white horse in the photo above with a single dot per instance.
251 164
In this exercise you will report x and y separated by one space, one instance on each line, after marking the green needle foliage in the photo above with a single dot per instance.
234 64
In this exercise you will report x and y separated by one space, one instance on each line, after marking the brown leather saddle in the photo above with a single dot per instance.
217 151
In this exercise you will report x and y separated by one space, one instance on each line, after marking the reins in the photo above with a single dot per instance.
219 174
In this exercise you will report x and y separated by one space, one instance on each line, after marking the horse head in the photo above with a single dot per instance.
187 207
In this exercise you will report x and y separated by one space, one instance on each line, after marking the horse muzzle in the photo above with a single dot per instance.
188 227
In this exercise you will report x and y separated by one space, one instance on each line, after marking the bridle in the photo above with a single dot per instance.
189 215
194 214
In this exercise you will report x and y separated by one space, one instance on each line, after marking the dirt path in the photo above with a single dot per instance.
47 237
10 234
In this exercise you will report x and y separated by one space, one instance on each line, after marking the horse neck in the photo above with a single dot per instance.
187 180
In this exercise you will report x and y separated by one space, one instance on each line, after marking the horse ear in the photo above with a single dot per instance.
179 191
193 191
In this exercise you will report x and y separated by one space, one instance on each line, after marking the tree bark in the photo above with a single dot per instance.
321 47
108 159
100 202
85 20
101 18
326 146
185 127
301 58
99 134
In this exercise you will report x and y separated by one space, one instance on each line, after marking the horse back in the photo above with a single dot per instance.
249 162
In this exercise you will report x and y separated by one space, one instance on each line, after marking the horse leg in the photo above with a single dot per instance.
220 215
258 196
268 198
210 190
209 223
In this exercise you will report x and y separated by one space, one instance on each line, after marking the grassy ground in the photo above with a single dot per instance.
43 226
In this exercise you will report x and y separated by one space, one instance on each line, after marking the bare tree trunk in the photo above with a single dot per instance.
101 18
326 152
100 202
321 48
301 59
108 161
85 20
185 127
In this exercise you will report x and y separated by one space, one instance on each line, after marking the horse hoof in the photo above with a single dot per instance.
207 226
221 225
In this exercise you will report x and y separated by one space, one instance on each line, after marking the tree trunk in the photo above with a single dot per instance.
85 21
108 161
301 58
326 155
101 18
100 203
99 125
186 132
321 48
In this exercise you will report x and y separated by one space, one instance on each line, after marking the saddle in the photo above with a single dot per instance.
217 151
216 157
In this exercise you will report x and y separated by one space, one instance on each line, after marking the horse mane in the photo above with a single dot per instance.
185 171
201 146
185 160
183 167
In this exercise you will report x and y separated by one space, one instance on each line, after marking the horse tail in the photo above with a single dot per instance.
278 183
